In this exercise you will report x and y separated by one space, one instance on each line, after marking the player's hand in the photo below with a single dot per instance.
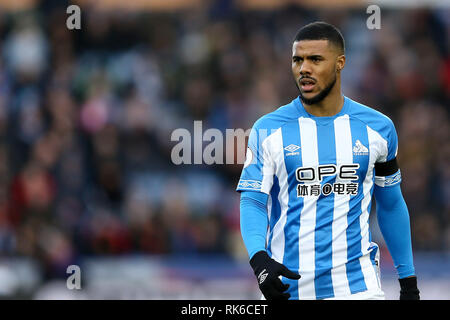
268 271
408 289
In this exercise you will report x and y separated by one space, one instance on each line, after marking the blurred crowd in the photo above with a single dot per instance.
86 118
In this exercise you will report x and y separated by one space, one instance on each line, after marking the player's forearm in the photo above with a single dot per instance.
393 219
254 221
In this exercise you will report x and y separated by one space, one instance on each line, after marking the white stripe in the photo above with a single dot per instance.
344 155
275 144
267 168
379 146
376 144
380 150
269 214
310 157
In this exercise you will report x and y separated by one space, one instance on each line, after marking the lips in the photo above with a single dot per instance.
307 84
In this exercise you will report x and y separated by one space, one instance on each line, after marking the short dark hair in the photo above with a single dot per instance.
320 30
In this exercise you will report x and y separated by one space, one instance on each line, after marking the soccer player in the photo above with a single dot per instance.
311 169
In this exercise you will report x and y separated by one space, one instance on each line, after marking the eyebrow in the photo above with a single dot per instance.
313 56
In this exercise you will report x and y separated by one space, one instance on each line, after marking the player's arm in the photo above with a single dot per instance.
255 184
393 220
254 223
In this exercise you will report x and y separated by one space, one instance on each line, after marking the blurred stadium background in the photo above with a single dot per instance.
86 116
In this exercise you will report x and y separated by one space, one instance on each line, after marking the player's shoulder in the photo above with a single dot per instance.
373 118
278 117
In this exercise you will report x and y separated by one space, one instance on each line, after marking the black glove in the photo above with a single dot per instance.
408 289
267 271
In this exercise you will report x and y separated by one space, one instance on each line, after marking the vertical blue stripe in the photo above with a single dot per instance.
354 273
275 212
291 135
324 215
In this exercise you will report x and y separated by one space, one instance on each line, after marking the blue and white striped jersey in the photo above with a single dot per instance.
319 175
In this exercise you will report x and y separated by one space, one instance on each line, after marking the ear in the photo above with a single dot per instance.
340 63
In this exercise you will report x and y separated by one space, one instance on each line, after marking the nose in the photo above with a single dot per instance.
305 68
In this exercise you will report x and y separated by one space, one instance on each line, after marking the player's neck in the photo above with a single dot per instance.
329 106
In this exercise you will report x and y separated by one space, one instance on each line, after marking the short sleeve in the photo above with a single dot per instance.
257 173
387 171
392 142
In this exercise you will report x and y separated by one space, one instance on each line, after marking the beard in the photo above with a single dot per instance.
318 97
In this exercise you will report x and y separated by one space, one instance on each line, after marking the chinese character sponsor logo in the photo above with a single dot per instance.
311 190
310 180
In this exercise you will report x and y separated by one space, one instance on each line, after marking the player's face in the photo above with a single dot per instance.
315 64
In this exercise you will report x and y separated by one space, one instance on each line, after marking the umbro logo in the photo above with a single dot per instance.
262 276
359 149
390 181
250 184
291 150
